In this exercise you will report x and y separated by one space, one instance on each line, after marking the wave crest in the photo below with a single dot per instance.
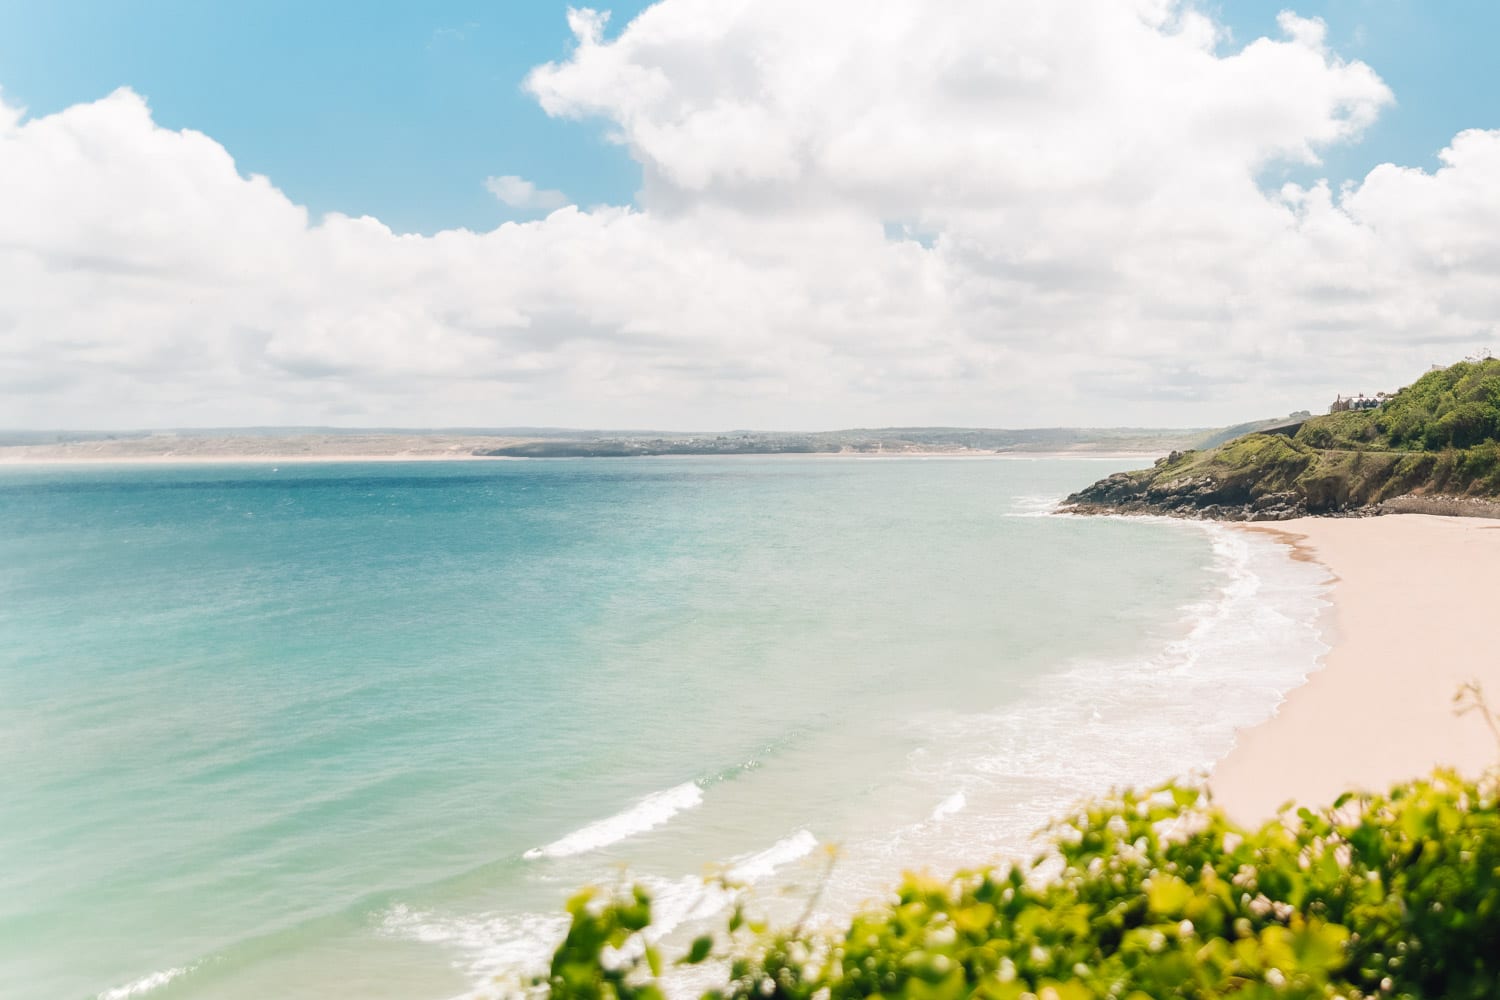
143 985
647 814
952 804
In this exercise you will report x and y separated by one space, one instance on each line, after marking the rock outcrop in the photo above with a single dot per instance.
1193 495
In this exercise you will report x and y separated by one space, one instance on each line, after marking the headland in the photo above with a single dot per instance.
1432 447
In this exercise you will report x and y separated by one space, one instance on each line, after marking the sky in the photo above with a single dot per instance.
710 214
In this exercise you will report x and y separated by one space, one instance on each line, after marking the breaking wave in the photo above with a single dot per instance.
143 985
647 814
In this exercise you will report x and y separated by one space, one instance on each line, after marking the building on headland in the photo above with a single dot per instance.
1342 404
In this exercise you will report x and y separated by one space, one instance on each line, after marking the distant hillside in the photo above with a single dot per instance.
1432 446
887 440
1219 437
331 443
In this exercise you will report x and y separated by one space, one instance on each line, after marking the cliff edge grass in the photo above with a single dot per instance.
1433 447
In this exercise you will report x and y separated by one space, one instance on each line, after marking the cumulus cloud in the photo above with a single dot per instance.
517 192
985 212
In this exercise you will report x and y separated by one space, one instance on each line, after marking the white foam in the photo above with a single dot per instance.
647 814
952 804
143 985
484 945
1170 711
489 945
675 902
1035 506
760 865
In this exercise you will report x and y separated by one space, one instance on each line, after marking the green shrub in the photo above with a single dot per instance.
1458 406
1481 460
1141 896
1467 424
1352 429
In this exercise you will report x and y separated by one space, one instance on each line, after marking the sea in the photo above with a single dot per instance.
361 729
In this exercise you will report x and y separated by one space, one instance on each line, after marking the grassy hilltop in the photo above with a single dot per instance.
1438 438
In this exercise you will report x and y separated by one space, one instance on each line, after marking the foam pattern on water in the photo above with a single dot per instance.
1102 724
143 985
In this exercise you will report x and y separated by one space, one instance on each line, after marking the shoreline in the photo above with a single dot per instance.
1410 620
11 462
42 461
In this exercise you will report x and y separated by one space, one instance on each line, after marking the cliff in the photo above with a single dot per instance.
1433 445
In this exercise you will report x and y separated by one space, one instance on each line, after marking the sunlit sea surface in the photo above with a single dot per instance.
360 729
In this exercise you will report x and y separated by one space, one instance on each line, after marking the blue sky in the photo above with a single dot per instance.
393 109
1438 57
401 109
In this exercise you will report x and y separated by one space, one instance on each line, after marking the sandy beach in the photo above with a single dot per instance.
1413 618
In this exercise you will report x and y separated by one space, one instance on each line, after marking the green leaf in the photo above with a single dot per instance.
1168 895
698 951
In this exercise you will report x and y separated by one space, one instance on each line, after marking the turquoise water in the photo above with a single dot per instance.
359 729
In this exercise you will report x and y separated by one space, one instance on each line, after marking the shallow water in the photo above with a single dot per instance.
360 729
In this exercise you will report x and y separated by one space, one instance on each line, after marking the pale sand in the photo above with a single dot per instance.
1416 613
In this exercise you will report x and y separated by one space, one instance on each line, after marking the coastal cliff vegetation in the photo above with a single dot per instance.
1439 437
1141 896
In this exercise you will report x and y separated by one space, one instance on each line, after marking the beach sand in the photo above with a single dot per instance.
1416 614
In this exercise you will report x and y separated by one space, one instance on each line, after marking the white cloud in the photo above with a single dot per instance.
1095 247
520 193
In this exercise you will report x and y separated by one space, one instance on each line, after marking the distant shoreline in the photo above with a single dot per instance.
230 459
1126 445
10 460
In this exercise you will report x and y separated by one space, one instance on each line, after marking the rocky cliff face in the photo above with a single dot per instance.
1251 479
1198 496
1259 477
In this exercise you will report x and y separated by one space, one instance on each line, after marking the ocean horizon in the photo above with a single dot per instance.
362 728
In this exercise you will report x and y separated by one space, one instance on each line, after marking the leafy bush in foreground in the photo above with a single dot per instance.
1141 896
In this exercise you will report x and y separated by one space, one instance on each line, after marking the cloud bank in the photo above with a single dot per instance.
983 212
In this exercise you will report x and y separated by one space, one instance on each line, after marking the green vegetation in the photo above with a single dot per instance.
1226 434
1140 897
1439 436
1457 407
